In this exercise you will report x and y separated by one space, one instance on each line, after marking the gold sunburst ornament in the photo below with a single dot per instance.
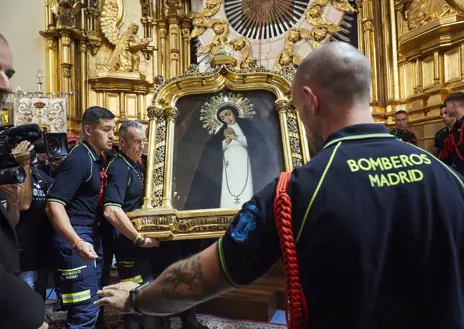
209 110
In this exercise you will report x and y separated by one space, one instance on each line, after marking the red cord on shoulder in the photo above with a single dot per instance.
103 179
296 307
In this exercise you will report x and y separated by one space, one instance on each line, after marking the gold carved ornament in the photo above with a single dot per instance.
288 59
64 11
203 21
420 12
124 57
172 7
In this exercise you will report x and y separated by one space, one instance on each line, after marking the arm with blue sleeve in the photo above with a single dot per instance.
71 175
115 193
246 252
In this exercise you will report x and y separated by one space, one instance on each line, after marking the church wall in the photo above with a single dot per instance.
20 23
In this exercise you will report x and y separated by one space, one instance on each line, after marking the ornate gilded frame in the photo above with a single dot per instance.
157 218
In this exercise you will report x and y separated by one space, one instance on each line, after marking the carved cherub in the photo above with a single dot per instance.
287 56
319 33
172 7
221 31
314 13
243 45
124 57
64 11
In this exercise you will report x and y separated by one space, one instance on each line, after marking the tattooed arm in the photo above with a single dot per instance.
181 286
184 284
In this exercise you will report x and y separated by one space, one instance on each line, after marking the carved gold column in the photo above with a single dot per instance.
174 46
394 42
51 65
418 76
186 25
390 61
366 15
163 58
462 62
171 116
83 78
283 107
66 67
437 67
148 198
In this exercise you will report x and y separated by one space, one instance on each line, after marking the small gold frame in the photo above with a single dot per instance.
157 218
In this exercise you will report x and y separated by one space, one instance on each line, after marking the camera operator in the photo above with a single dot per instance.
35 232
22 308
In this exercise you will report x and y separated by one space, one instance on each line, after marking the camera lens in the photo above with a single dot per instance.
15 175
53 146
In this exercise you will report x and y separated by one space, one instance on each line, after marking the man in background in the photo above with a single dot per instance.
401 129
443 148
455 108
72 141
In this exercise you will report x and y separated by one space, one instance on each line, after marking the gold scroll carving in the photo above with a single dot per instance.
288 59
202 21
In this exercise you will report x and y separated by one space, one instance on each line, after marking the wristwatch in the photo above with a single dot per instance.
132 294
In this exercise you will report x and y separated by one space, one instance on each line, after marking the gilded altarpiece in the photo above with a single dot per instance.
416 48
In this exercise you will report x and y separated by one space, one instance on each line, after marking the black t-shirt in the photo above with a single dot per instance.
125 184
378 242
458 150
405 135
77 185
34 230
440 142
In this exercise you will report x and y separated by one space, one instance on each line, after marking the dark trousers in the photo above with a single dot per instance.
78 281
133 264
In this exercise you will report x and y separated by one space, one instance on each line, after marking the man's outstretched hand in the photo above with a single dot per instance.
117 296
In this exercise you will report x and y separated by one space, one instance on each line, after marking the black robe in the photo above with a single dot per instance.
205 189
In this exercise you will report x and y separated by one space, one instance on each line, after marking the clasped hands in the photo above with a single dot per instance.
229 135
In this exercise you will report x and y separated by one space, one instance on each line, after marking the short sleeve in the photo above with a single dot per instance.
251 246
71 174
115 190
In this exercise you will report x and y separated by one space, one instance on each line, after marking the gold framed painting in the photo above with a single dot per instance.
215 139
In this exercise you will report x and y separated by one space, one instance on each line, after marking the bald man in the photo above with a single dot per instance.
359 251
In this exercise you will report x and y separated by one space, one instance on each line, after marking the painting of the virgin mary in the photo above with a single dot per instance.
232 165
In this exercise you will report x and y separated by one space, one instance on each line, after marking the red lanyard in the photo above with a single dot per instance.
459 143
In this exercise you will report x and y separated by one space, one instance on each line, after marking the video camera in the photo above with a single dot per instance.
52 144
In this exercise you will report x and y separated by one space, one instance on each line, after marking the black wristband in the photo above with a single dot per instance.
132 294
141 241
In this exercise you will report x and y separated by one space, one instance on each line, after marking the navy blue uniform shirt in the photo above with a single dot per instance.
439 141
125 184
77 185
458 163
379 225
405 136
